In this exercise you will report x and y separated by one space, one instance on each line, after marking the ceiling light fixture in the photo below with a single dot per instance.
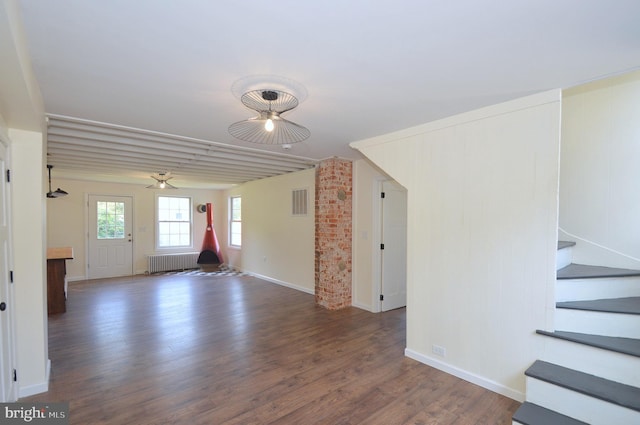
161 182
269 127
58 192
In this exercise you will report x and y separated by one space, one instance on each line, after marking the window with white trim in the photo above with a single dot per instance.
235 221
174 222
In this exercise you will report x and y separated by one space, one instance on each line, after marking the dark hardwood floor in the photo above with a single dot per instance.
239 350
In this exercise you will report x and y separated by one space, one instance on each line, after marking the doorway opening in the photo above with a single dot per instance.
393 246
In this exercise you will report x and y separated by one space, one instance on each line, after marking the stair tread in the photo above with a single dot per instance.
628 305
532 414
622 345
565 244
584 271
613 392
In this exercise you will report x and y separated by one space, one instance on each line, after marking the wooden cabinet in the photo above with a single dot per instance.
57 279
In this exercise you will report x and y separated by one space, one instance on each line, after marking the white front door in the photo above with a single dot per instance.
394 253
110 237
7 384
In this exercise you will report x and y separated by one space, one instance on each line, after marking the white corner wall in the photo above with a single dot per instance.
29 265
67 219
482 228
599 177
277 246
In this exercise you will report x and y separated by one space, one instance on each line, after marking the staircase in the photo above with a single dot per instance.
591 370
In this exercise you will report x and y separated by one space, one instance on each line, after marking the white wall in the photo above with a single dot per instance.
599 177
482 226
67 219
28 216
276 245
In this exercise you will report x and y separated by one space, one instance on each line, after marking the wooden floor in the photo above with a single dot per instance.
239 350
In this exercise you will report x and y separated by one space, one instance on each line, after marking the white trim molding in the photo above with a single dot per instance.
467 376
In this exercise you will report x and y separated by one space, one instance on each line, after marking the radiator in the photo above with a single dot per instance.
170 262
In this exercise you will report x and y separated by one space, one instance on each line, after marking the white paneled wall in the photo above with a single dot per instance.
482 225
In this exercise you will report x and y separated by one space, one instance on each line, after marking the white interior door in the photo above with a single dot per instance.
7 360
394 254
110 238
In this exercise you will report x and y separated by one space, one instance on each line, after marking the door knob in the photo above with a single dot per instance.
3 306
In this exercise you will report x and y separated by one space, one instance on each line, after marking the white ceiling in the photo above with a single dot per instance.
360 68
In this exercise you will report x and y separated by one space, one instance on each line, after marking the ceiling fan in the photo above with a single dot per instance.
161 182
269 127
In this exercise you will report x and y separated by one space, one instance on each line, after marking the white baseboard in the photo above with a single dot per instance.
76 278
281 283
34 389
84 277
467 376
363 307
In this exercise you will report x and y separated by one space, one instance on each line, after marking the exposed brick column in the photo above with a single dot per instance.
333 233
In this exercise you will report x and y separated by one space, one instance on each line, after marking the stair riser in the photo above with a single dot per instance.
595 361
579 406
519 423
598 323
563 258
596 289
513 422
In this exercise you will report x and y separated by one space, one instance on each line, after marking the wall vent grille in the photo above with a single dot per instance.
299 201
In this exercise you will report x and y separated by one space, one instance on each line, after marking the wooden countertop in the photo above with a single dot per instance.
65 252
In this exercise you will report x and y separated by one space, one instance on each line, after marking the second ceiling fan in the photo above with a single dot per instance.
161 182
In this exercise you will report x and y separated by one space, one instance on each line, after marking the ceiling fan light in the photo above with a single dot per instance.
161 181
268 125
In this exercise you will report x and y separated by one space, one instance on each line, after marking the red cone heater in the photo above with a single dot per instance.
210 255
